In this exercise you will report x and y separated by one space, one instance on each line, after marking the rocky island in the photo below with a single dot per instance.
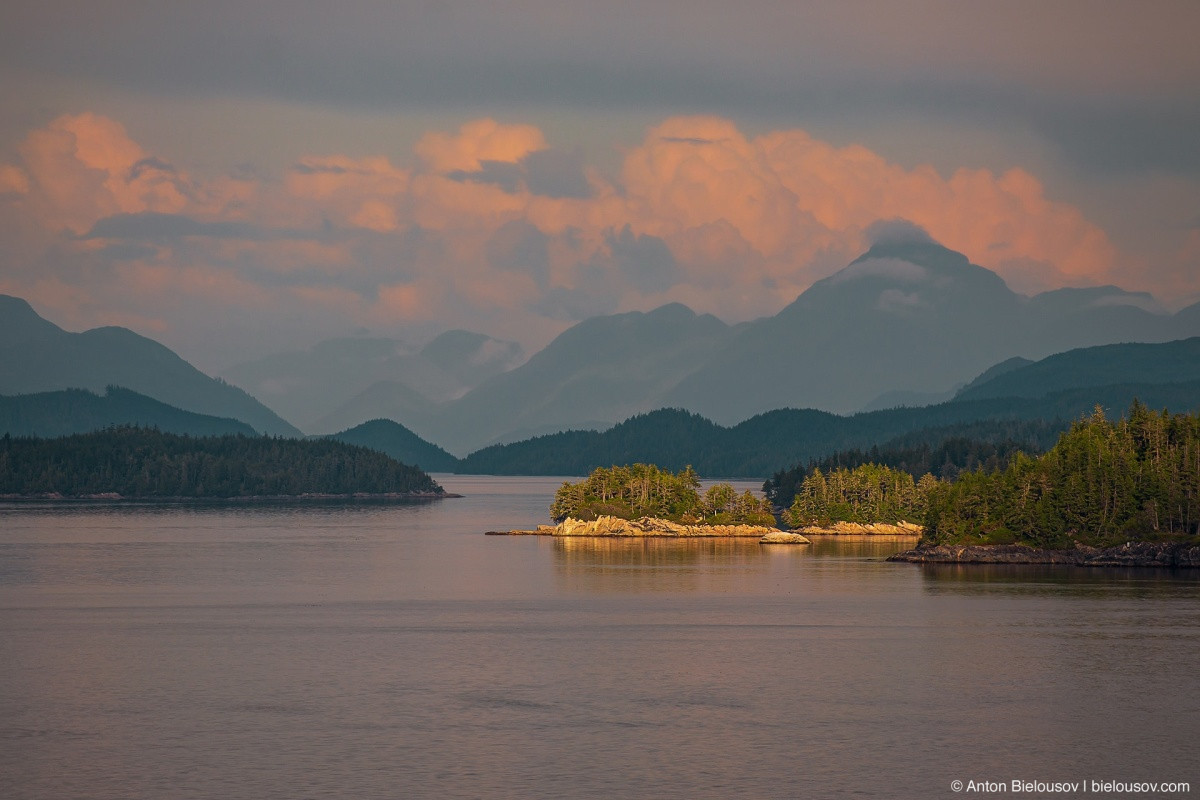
642 500
616 527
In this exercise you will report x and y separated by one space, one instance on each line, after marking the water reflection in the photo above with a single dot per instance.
669 565
1050 579
860 546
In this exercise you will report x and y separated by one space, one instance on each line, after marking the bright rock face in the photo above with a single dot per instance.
783 537
646 526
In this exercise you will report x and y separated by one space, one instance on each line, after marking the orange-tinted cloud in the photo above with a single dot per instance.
698 212
476 142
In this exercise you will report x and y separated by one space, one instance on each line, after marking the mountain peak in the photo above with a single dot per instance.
926 254
20 323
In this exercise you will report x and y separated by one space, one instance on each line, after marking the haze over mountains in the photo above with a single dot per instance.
908 317
339 383
905 316
1027 403
38 356
907 323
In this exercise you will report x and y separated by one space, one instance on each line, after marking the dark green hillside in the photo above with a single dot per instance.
141 463
767 443
400 443
995 371
68 411
670 437
1166 363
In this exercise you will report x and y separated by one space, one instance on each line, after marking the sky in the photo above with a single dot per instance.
236 179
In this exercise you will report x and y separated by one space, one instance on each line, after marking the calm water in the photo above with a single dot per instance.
392 651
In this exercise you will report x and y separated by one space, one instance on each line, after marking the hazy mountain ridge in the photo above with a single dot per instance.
907 317
901 324
70 411
338 383
1103 365
605 368
765 443
38 356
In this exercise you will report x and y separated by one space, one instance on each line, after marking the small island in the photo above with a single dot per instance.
131 463
1107 494
642 500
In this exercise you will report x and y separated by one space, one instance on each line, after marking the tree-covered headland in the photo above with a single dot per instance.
644 490
146 463
1104 483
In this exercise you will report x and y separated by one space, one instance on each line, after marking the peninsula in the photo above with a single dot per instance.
1123 493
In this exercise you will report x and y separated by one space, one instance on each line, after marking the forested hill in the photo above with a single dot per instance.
764 444
141 463
400 443
68 411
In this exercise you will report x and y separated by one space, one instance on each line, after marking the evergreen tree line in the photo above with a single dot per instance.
868 493
644 490
945 459
1104 483
145 463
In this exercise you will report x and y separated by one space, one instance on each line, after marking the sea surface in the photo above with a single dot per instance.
376 650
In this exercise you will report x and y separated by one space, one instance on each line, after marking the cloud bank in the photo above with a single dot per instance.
491 228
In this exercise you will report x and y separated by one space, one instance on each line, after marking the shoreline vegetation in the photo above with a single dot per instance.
139 464
642 500
1124 493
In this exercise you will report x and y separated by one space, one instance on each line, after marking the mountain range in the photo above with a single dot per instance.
69 411
38 356
339 383
1031 405
906 323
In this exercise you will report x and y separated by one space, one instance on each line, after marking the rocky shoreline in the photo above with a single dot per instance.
653 527
860 529
1130 554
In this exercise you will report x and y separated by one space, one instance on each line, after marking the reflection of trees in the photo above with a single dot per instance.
1040 580
852 546
650 564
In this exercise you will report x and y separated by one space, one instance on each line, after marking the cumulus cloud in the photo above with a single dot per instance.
477 142
490 228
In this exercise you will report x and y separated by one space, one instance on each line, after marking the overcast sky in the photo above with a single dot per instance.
240 178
